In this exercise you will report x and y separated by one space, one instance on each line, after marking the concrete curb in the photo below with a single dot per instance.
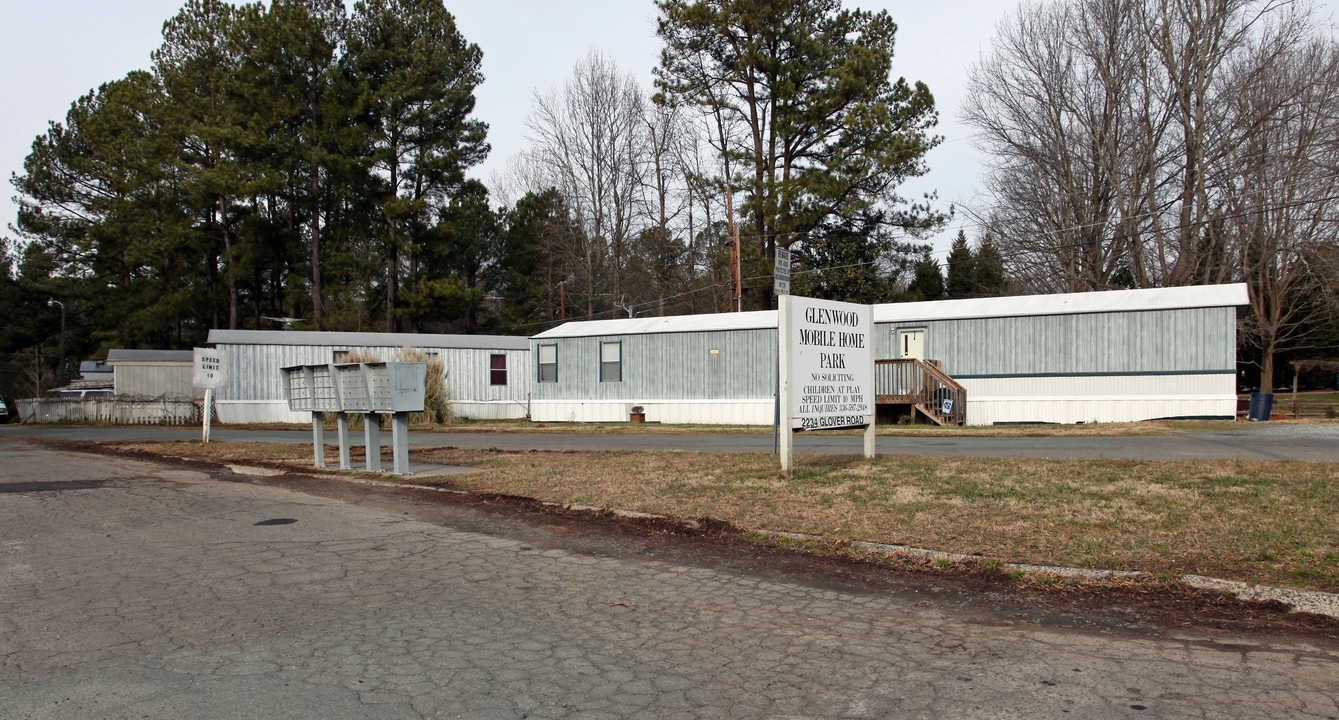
1299 600
1311 601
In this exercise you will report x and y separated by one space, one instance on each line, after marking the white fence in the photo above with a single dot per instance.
111 411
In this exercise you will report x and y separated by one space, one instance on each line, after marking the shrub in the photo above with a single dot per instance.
436 399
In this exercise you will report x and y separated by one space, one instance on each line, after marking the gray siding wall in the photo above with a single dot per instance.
1155 341
666 366
253 370
151 380
680 366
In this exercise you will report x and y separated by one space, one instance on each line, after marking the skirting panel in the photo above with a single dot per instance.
681 412
504 410
242 412
1102 399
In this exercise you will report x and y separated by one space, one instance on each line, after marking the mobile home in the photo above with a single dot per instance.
486 376
1084 357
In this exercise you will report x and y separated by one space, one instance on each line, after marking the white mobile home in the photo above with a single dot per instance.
487 376
1084 357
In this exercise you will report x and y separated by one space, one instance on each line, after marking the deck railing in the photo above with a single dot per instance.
923 386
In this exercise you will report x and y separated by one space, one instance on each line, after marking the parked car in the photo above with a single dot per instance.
5 412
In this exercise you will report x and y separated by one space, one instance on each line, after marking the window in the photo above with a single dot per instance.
548 363
611 362
497 369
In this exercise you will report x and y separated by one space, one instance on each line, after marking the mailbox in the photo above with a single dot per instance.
396 387
351 384
324 396
297 388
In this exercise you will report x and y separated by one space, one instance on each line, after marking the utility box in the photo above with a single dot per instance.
397 387
351 384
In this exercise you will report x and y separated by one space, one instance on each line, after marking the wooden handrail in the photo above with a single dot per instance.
924 386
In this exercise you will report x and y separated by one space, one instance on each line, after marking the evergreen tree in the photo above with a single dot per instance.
461 266
928 282
988 276
296 111
532 264
807 113
195 66
961 282
416 77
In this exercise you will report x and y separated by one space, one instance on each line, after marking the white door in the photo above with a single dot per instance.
911 343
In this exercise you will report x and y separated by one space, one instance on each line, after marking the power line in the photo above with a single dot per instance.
1003 255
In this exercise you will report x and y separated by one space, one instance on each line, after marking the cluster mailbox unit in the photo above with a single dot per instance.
396 389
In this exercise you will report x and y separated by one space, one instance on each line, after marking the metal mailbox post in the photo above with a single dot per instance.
300 393
396 389
351 381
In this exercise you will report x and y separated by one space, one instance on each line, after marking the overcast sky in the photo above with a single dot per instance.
53 51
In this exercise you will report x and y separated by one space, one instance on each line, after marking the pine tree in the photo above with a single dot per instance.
962 269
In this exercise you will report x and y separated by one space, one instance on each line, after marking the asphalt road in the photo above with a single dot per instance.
1239 441
133 590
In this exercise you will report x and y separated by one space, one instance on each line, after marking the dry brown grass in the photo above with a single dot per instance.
436 399
1262 522
1147 428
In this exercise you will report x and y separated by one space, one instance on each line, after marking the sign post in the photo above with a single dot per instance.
210 373
826 369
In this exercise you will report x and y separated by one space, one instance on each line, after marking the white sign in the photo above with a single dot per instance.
781 272
211 370
831 364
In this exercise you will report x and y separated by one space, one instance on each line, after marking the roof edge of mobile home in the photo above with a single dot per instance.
1013 306
366 339
1172 298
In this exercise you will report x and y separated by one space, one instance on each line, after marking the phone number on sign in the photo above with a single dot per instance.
832 421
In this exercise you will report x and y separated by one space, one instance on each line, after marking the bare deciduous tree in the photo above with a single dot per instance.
586 139
1280 186
1147 143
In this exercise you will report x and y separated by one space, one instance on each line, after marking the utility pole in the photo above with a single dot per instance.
736 263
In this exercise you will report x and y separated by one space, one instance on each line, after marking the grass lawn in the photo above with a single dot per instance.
1259 522
1149 427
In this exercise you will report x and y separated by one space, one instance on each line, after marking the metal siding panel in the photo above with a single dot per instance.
1188 340
254 370
668 365
153 381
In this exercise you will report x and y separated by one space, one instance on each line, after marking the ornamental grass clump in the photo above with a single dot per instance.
436 398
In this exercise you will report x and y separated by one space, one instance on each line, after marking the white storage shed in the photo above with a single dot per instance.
152 374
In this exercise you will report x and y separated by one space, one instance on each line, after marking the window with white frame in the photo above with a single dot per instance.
611 361
497 369
548 363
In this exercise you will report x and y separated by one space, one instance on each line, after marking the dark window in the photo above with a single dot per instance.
611 362
548 363
497 369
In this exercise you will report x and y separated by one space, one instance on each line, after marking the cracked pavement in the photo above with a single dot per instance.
130 589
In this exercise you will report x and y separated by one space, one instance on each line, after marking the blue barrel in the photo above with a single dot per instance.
1262 404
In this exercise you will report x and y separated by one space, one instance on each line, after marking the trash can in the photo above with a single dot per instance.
1262 404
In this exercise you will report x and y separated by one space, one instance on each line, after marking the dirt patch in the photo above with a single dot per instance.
979 589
